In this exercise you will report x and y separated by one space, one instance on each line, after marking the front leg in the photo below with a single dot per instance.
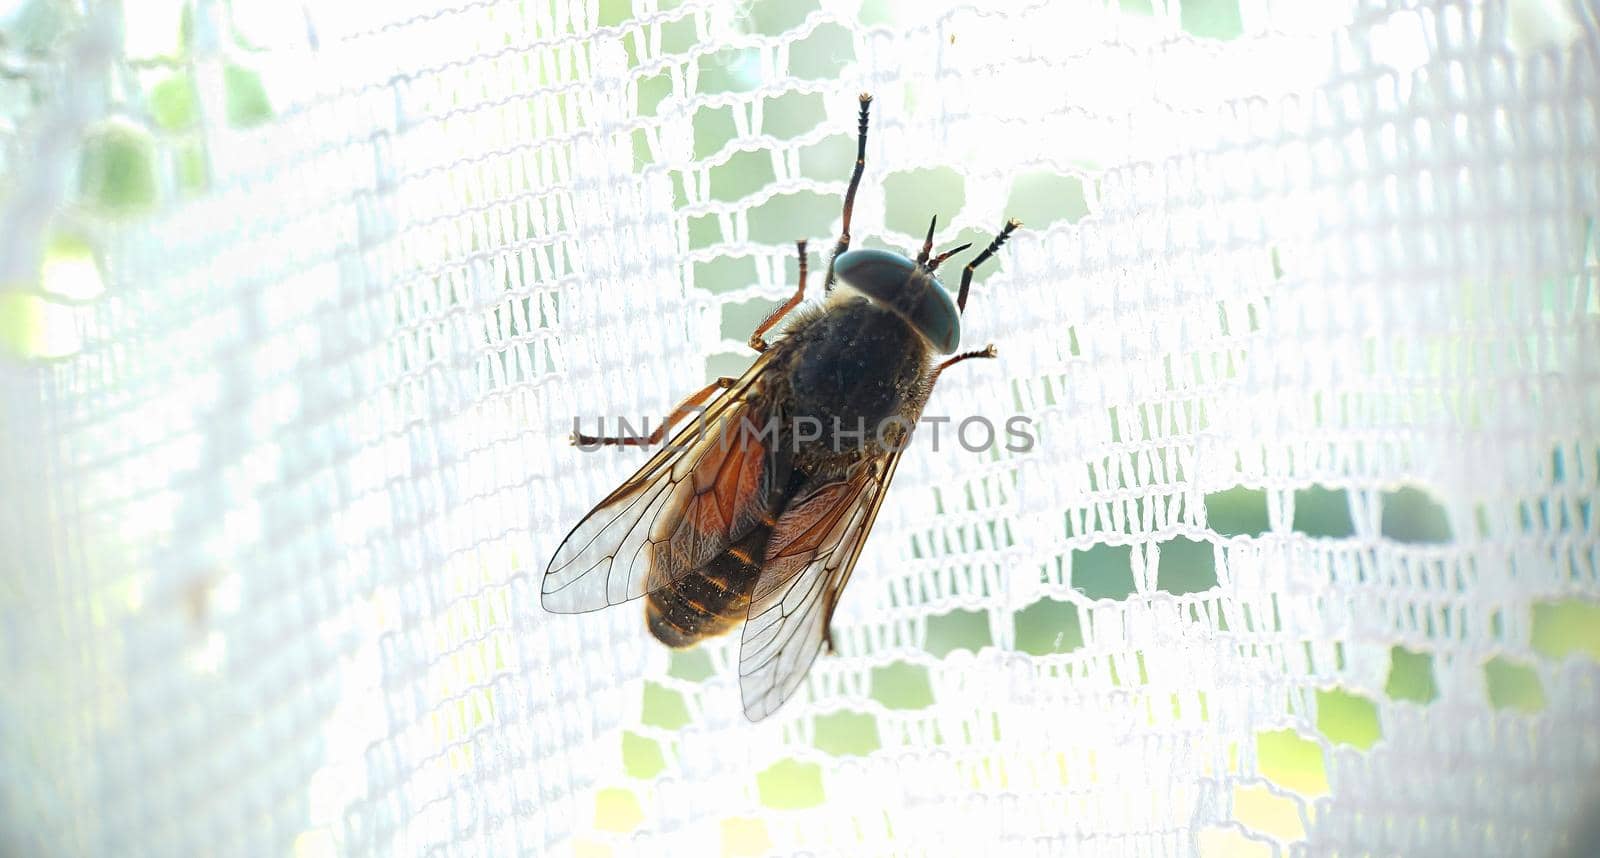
987 351
966 273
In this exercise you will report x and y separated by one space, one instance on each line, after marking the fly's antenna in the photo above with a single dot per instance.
933 264
927 244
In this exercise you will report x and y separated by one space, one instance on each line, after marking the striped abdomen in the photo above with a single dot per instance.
711 600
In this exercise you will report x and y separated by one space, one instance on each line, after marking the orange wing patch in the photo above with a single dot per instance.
726 492
697 495
803 528
727 482
731 485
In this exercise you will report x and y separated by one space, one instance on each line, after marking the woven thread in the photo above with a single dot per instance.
1307 324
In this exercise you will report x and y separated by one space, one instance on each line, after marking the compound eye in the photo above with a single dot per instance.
895 282
879 274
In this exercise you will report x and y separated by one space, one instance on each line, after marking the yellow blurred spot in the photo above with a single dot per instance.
1348 718
1230 843
664 707
31 327
742 837
1566 627
641 756
1291 762
133 590
790 785
69 270
582 848
1535 24
316 843
208 657
1258 809
617 810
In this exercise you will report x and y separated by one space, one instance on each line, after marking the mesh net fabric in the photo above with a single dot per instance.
1306 318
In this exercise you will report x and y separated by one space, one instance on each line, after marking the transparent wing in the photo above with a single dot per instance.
809 558
710 483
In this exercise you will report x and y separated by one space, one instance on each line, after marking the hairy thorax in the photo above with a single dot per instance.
850 372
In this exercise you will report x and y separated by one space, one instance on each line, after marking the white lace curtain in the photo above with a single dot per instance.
300 303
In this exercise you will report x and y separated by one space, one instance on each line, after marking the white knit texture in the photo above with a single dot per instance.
1306 315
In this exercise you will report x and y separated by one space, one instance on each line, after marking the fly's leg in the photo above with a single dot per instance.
850 193
684 408
756 340
987 351
966 274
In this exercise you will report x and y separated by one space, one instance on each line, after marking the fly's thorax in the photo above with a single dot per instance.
851 370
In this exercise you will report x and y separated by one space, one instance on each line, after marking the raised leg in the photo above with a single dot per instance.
966 274
987 351
756 341
850 193
682 411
